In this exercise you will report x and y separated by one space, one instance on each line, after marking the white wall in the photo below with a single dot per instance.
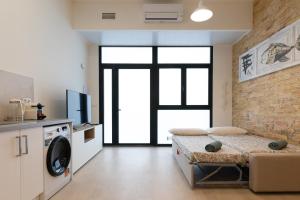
222 85
222 89
37 40
93 80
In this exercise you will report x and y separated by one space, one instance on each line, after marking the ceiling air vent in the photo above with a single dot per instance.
108 16
163 13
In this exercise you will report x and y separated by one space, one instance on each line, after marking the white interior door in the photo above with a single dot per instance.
134 106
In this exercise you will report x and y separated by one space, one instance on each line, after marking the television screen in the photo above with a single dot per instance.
79 107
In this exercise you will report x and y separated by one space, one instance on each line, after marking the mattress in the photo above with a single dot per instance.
248 144
193 147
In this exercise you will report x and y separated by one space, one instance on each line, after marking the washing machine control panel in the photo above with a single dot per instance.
51 132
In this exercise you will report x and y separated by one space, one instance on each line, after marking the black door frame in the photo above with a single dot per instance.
154 93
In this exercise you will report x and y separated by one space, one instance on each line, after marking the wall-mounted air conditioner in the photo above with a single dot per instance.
163 13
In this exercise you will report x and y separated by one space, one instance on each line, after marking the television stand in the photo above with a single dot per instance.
86 143
83 127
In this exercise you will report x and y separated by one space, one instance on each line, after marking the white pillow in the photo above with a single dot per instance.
187 131
229 130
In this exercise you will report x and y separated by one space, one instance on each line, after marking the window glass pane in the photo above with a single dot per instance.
125 55
197 86
108 106
169 86
168 119
184 55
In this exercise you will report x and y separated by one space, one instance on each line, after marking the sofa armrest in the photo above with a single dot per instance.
274 172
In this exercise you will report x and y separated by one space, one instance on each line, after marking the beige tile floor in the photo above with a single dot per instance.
145 173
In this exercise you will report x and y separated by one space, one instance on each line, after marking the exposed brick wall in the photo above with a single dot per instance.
268 105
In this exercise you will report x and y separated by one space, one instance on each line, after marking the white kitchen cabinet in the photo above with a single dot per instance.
10 174
85 144
21 154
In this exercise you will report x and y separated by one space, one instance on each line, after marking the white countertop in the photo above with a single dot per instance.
12 126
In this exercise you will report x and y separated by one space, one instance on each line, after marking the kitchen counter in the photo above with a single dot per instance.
12 126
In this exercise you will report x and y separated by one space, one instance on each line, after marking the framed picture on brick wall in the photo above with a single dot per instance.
280 51
297 42
247 65
276 52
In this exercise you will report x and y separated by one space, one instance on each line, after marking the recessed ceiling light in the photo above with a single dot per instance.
202 13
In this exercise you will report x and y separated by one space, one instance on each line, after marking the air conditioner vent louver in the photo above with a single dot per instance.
110 16
163 12
161 16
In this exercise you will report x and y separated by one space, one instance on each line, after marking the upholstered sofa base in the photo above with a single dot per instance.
274 172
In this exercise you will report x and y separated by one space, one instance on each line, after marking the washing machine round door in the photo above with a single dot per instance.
58 156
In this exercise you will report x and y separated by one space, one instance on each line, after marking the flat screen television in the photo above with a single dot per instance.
79 108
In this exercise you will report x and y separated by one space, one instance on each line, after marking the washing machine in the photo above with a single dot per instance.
57 159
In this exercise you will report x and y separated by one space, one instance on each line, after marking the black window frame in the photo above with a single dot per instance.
154 91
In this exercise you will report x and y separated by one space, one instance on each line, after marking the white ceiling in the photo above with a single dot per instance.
161 37
172 37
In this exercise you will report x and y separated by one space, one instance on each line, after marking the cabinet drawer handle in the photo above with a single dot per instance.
26 144
19 146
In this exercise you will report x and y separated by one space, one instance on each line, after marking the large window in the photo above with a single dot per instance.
187 55
168 119
197 86
184 89
145 91
126 55
169 86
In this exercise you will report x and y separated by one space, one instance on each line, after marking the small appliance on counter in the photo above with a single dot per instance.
34 112
39 113
22 104
30 113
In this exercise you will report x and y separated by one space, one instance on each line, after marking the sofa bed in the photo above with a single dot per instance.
244 160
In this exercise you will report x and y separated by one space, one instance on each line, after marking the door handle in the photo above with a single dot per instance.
26 144
119 109
19 146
